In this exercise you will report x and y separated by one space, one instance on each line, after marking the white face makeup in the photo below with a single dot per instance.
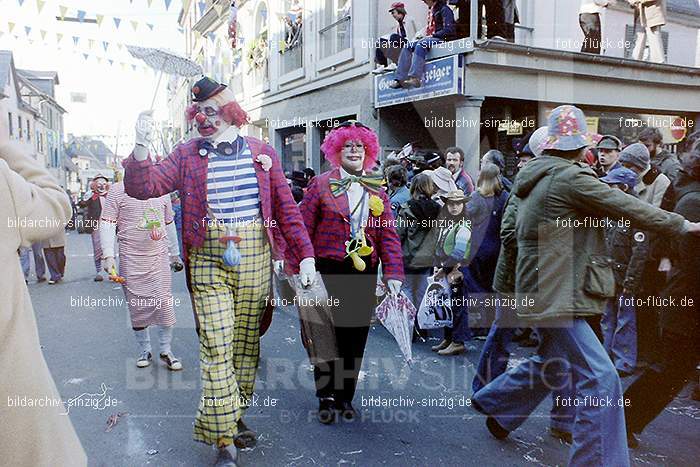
209 123
352 156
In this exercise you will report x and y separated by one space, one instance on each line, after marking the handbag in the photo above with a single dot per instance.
316 320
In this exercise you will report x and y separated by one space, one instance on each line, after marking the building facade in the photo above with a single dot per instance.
301 66
32 115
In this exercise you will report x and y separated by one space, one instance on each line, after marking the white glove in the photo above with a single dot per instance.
307 271
109 265
145 134
394 287
278 266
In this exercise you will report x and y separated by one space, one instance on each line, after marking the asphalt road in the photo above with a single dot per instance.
87 347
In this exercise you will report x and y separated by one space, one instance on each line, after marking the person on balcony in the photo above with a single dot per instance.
440 28
589 20
390 45
651 15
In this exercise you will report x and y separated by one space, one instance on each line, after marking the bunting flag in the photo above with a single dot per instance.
111 62
135 25
76 39
99 19
99 60
117 21
62 9
40 5
120 45
149 3
202 8
27 30
167 4
150 26
20 2
10 26
43 34
59 36
133 67
105 44
91 42
81 15
85 56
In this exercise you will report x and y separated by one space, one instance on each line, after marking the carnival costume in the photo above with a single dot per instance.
147 239
349 219
236 209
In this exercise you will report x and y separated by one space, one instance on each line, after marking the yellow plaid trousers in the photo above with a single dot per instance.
229 302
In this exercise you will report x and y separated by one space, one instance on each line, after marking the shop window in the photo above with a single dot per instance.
292 43
9 126
293 149
336 30
19 125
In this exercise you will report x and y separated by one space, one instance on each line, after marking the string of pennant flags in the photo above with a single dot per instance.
40 4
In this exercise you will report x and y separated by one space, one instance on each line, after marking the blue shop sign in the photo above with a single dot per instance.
443 77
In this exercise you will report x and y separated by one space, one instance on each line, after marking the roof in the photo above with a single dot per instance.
688 7
43 80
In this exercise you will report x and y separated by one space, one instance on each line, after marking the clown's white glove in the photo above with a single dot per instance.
145 134
394 287
307 271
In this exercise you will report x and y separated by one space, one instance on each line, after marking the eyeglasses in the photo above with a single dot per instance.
208 111
351 146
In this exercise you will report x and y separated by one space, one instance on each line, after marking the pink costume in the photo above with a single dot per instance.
143 261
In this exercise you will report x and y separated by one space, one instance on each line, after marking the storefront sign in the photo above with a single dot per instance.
442 77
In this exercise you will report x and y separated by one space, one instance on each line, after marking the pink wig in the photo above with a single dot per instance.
336 139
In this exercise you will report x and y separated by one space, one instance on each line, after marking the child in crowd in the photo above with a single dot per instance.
415 222
452 247
629 249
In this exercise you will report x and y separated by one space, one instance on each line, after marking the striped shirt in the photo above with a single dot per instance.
232 186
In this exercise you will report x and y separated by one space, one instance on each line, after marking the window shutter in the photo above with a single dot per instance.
629 40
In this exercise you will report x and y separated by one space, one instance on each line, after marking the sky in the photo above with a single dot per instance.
114 94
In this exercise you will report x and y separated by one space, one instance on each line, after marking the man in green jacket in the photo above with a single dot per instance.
562 277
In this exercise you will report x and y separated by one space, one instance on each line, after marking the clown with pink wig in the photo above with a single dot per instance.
238 215
349 219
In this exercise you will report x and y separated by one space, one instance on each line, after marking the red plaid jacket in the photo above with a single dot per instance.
186 171
327 219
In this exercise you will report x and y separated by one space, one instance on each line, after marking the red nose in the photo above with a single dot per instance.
200 118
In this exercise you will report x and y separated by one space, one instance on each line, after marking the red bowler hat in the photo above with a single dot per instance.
396 5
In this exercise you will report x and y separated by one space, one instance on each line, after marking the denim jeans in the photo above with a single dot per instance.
389 49
599 436
412 58
493 362
26 261
619 326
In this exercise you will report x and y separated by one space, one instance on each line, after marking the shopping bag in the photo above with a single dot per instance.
397 314
316 320
435 310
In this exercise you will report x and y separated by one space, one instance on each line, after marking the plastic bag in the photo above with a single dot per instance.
435 310
316 319
397 314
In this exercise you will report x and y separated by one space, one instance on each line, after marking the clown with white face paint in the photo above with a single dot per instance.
349 217
238 215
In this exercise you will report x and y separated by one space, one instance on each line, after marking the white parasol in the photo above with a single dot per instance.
166 62
397 313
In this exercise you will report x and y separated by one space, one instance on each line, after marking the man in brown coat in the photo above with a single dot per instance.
34 430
